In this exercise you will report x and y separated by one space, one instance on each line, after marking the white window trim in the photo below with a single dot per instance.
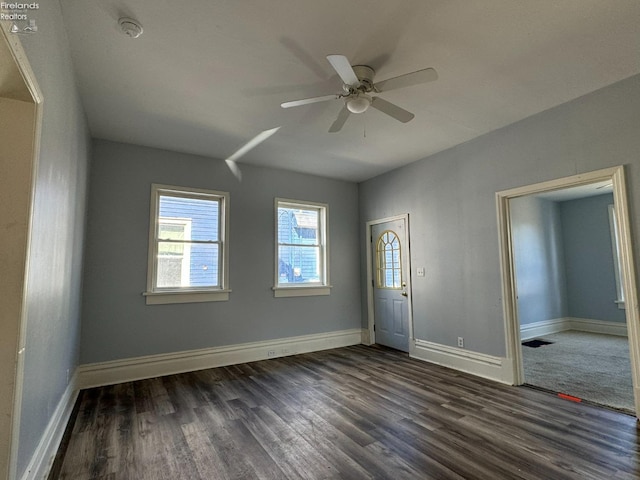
164 296
303 289
616 258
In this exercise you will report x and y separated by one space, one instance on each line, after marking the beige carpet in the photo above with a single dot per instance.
589 366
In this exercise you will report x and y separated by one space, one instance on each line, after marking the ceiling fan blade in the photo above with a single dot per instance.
339 122
306 101
407 80
251 144
235 169
392 110
341 65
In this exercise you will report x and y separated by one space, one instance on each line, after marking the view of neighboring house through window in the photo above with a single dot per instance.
301 246
187 242
173 255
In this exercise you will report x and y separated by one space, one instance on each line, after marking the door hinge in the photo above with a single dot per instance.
372 283
374 327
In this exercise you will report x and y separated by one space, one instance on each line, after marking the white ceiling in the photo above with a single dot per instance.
207 76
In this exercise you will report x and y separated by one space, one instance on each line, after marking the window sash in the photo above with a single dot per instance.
189 259
299 259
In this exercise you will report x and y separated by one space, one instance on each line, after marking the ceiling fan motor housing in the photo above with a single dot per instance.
365 75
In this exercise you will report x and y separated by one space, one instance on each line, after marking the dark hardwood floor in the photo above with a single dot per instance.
355 412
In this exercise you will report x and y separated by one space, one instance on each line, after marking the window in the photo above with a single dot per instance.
388 266
616 256
301 249
187 246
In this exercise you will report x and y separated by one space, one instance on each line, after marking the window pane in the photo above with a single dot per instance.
388 260
299 264
388 279
298 226
200 216
187 265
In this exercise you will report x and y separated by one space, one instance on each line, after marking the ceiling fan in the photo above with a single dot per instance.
357 87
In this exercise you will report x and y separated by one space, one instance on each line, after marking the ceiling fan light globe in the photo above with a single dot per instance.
359 104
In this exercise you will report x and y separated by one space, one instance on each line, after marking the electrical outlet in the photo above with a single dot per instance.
460 342
420 271
271 353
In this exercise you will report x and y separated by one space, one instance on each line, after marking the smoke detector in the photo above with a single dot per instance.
130 27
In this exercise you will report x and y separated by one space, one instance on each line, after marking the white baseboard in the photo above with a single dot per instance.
138 368
597 326
555 325
42 459
479 364
529 331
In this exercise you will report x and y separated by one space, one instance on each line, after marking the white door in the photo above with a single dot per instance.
391 284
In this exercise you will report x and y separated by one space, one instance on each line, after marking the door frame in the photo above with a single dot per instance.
21 180
616 176
369 338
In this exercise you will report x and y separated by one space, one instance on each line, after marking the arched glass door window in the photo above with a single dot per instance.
388 264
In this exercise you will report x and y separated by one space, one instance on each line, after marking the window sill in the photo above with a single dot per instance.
166 298
306 291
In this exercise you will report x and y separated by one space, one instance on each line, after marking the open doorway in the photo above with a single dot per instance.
519 315
570 307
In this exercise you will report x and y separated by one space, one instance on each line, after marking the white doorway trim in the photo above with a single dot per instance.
369 337
616 176
21 120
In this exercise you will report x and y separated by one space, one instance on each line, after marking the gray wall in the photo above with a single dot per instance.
591 287
563 259
54 275
450 198
539 259
117 323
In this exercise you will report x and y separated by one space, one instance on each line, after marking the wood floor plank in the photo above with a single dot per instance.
220 431
363 456
295 457
323 439
206 458
350 413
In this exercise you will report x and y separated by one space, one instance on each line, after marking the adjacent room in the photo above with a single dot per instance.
570 302
272 239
